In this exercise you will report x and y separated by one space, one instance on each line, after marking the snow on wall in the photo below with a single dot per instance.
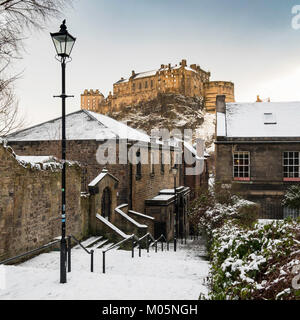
112 226
37 162
125 216
221 127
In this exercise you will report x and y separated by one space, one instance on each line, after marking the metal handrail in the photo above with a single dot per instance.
30 252
116 245
162 244
81 245
119 243
91 252
135 240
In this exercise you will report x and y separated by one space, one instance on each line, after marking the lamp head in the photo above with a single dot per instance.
63 41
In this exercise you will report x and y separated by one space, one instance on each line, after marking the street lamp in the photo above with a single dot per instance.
63 43
174 171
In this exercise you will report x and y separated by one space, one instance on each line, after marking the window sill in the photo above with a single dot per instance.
291 179
138 177
241 179
152 175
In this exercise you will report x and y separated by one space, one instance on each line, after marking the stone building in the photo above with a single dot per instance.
143 86
258 151
129 183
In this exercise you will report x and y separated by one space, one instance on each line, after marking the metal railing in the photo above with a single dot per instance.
134 241
114 246
161 238
91 252
30 252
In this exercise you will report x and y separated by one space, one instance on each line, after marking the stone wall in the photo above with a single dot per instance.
83 151
145 187
30 205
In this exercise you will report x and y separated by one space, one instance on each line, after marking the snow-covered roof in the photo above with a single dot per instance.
162 197
152 73
171 191
103 174
80 125
193 150
262 119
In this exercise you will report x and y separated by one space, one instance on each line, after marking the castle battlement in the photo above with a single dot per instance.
182 79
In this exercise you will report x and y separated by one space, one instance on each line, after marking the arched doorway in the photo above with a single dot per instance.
106 203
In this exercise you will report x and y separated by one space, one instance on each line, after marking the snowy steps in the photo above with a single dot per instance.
88 242
94 243
171 275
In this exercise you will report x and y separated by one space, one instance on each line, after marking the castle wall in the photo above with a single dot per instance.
214 88
189 81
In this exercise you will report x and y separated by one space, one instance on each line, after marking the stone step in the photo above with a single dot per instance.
100 244
95 243
107 245
89 242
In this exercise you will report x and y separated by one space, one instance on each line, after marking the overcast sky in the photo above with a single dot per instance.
251 43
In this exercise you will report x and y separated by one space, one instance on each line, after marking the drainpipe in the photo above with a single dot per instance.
130 187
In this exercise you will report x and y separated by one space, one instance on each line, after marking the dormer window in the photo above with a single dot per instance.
269 118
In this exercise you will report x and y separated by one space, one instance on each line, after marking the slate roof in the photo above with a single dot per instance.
80 125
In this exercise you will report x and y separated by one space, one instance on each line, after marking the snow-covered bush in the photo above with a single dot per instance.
212 209
255 263
292 197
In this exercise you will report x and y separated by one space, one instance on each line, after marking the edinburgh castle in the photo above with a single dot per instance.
189 81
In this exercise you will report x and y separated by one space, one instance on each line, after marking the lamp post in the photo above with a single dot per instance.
174 171
63 43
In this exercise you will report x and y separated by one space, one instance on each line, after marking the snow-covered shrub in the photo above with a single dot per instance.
292 197
207 213
254 263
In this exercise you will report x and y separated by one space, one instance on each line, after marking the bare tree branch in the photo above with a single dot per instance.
17 16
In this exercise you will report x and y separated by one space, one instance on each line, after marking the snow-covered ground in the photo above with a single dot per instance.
163 275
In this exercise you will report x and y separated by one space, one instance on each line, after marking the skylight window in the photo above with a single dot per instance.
269 118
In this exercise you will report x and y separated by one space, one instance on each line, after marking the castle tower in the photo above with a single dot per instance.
214 88
91 100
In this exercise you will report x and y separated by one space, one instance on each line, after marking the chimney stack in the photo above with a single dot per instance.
220 104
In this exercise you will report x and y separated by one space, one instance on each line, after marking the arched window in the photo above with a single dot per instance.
106 203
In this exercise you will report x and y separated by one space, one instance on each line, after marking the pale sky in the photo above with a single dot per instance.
251 43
